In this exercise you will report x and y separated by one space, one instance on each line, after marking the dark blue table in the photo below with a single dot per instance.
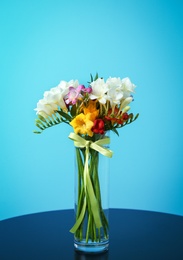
134 234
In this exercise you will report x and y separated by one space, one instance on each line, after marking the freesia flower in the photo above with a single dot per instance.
125 102
127 87
113 115
64 85
91 108
74 94
113 82
98 127
45 108
83 124
87 90
123 87
125 116
99 90
87 108
116 116
54 98
114 95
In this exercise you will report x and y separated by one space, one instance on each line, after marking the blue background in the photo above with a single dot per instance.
43 42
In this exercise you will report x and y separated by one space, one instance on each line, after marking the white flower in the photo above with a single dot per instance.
64 86
113 82
54 98
127 87
99 89
119 90
115 93
44 108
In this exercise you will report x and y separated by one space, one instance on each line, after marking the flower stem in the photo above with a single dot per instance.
89 204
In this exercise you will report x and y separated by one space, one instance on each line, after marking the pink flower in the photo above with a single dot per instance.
87 90
74 94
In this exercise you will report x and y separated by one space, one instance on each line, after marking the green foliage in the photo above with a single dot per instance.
73 111
115 131
93 79
129 121
113 127
44 123
65 117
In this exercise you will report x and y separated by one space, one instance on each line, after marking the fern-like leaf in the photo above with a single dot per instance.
64 115
137 115
37 132
130 120
44 123
115 131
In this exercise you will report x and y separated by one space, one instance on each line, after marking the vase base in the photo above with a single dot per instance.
91 247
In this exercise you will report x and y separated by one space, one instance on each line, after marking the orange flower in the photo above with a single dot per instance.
91 109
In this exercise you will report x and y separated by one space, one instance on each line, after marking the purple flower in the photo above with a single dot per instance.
74 94
87 90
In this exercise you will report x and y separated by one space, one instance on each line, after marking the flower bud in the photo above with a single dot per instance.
127 108
125 102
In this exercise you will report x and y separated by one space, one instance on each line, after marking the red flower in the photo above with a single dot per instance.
98 127
125 116
116 116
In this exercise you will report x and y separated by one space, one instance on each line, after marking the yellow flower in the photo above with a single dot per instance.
91 109
83 124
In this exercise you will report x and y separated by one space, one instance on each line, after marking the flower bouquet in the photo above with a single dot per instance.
92 111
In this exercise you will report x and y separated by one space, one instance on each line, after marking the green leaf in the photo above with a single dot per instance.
42 118
73 111
65 115
58 117
91 77
115 131
96 76
55 119
39 126
137 115
50 123
43 123
37 132
130 118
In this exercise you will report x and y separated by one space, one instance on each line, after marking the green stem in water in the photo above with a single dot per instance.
87 208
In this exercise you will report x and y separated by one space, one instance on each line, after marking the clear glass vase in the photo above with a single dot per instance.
91 230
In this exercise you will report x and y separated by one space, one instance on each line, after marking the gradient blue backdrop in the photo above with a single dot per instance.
43 42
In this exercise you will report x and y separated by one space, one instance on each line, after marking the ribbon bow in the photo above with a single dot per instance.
97 146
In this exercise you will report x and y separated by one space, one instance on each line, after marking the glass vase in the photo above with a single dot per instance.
91 231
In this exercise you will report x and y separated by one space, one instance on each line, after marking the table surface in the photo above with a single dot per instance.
134 234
